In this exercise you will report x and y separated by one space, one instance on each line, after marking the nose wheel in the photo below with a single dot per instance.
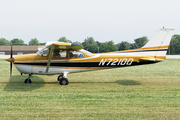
28 80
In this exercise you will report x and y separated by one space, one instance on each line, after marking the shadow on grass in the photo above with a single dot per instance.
127 82
122 82
16 83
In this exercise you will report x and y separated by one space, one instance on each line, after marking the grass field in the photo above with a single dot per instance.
141 92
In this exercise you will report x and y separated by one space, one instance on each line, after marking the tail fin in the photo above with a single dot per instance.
156 48
159 44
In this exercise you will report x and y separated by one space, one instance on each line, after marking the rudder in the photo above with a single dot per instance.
159 44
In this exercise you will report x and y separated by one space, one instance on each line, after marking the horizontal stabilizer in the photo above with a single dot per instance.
151 59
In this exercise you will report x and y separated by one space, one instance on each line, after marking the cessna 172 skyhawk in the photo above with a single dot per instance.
63 58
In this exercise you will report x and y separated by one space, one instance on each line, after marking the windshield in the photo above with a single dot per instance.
43 52
87 52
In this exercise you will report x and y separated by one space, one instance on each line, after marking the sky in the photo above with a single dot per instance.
104 20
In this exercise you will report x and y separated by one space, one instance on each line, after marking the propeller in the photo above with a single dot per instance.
11 62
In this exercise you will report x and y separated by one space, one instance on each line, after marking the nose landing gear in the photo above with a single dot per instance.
28 80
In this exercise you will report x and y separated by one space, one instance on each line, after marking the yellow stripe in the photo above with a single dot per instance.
159 47
147 48
161 57
61 44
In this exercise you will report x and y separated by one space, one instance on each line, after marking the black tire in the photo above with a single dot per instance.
27 81
63 81
59 77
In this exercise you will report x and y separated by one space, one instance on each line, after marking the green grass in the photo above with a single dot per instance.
141 92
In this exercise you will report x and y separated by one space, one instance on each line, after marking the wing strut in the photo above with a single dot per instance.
50 56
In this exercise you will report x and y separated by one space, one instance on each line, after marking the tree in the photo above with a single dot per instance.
133 46
140 42
108 47
3 41
64 39
124 45
34 42
90 45
177 49
111 46
42 43
17 41
175 45
103 47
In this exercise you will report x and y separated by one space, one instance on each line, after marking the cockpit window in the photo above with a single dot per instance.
75 54
60 53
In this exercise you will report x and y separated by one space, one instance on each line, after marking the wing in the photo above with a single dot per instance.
67 46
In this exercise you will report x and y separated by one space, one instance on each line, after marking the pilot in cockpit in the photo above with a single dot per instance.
56 53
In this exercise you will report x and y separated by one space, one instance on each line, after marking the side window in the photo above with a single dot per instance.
60 53
45 52
75 54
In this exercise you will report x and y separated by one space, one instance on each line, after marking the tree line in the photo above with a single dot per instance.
100 47
17 41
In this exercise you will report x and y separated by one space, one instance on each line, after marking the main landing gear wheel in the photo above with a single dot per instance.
59 77
27 80
63 81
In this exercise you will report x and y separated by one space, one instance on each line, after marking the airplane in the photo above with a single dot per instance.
64 58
